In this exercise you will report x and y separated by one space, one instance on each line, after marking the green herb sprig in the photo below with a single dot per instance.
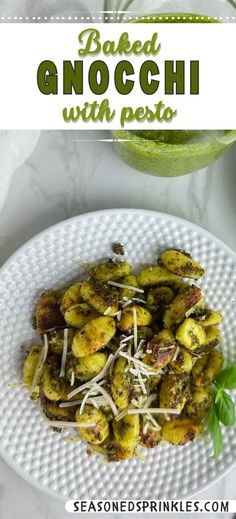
223 408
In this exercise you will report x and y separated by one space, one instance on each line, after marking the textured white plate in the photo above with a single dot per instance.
52 259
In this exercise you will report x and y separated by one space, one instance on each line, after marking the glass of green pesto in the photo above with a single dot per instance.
170 153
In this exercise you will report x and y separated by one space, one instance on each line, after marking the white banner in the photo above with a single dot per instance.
37 91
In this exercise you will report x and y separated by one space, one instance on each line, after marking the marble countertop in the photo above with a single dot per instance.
63 178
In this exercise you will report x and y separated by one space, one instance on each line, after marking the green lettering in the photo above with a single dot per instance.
98 87
151 47
149 68
47 78
140 114
127 115
92 44
194 77
174 77
71 115
72 77
124 87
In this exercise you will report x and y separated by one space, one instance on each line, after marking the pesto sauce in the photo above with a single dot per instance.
172 152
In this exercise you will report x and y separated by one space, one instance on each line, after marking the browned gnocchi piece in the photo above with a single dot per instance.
158 298
71 297
98 431
127 431
79 315
174 391
155 276
160 350
181 307
111 270
182 264
93 336
143 317
100 296
48 315
191 334
181 430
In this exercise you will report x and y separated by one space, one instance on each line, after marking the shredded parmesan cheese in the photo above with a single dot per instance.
70 404
108 310
68 425
135 329
167 348
86 398
156 425
138 354
141 364
72 378
95 379
108 398
149 410
140 344
154 410
140 379
64 353
129 302
150 399
191 310
129 287
126 339
115 357
41 360
176 354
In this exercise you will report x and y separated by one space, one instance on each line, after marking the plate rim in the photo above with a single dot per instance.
4 455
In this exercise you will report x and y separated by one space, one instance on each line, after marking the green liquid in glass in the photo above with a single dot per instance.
172 152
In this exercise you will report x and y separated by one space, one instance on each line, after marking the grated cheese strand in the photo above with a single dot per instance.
140 379
108 310
153 422
95 379
150 399
126 339
115 357
167 348
149 410
68 425
139 362
154 410
141 344
129 287
64 353
41 361
108 398
195 307
70 404
129 302
176 354
135 329
86 398
72 379
138 300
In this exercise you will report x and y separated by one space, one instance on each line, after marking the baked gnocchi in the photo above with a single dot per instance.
127 358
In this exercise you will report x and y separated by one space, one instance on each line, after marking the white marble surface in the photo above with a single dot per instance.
63 178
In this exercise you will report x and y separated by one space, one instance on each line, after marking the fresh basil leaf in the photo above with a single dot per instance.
215 432
227 378
225 409
218 395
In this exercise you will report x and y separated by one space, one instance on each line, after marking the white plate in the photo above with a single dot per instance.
52 259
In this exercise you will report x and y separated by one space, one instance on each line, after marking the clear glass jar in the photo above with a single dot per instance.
172 152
